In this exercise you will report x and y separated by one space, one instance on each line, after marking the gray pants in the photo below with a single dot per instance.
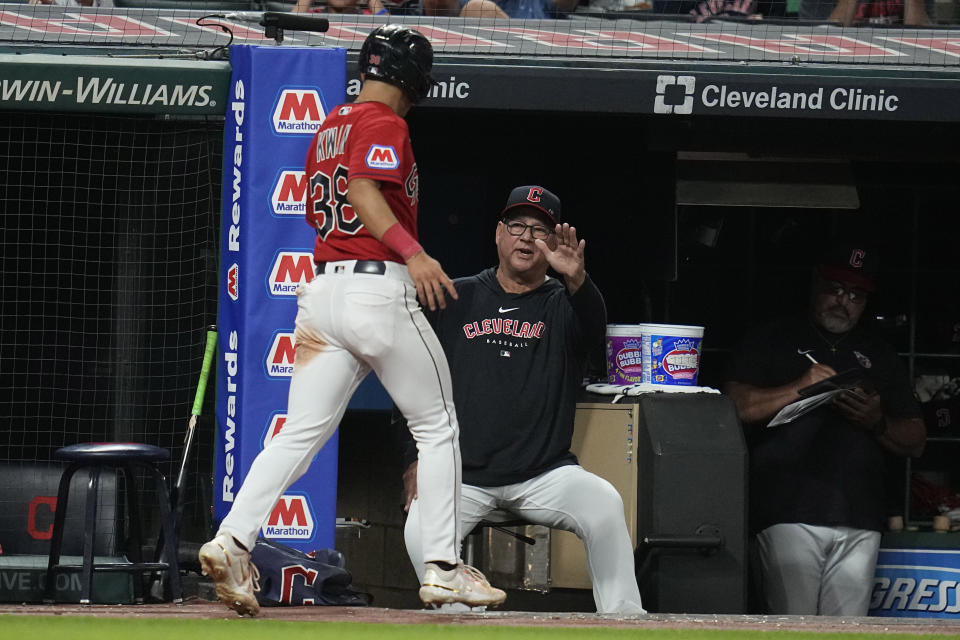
569 498
811 570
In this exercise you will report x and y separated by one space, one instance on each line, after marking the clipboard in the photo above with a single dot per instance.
802 407
821 393
849 379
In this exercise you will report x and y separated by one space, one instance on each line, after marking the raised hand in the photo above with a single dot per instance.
567 258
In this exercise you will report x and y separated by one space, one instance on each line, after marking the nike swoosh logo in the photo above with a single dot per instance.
502 310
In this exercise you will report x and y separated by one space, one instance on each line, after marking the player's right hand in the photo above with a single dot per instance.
814 374
430 280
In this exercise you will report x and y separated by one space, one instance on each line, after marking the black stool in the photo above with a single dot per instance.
125 457
470 541
510 567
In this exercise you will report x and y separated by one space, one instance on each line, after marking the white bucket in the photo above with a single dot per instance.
667 354
624 353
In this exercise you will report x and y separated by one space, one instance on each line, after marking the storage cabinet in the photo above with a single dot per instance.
679 464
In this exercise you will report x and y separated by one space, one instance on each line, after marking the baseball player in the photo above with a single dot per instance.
517 342
360 313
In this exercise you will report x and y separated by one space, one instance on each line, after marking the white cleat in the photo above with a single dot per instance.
235 578
462 584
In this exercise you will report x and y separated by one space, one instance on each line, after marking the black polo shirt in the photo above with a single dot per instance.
819 469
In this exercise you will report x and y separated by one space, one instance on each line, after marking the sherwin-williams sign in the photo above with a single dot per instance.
277 100
39 82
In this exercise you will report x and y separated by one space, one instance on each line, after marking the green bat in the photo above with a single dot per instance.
208 354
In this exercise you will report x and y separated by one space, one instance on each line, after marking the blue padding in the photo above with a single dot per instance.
111 452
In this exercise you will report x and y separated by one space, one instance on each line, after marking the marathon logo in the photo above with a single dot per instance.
233 282
290 270
382 157
916 583
291 519
298 112
289 195
279 361
276 423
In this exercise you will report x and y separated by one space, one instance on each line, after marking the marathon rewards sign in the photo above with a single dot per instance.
917 583
266 248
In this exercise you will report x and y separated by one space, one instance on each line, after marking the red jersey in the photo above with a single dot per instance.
363 140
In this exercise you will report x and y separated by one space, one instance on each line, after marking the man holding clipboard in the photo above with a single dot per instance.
820 441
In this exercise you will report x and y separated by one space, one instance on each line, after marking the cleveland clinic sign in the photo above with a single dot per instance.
680 95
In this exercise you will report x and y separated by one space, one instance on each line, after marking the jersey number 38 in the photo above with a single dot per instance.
330 207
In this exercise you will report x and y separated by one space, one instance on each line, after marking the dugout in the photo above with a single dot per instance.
686 195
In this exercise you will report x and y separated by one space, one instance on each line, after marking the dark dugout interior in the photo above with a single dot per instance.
613 189
716 221
675 229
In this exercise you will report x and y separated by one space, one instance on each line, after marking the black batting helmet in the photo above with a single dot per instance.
400 56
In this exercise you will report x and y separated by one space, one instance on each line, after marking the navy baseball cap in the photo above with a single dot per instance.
534 197
851 262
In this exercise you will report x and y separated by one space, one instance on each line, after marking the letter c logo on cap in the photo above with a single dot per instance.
856 258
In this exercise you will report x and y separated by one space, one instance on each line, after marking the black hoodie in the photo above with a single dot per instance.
517 362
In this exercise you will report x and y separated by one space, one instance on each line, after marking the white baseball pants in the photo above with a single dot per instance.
347 325
812 570
569 498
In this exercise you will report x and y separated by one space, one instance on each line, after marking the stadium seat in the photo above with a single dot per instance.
125 457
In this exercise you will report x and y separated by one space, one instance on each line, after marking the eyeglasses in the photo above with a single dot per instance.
538 231
838 289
